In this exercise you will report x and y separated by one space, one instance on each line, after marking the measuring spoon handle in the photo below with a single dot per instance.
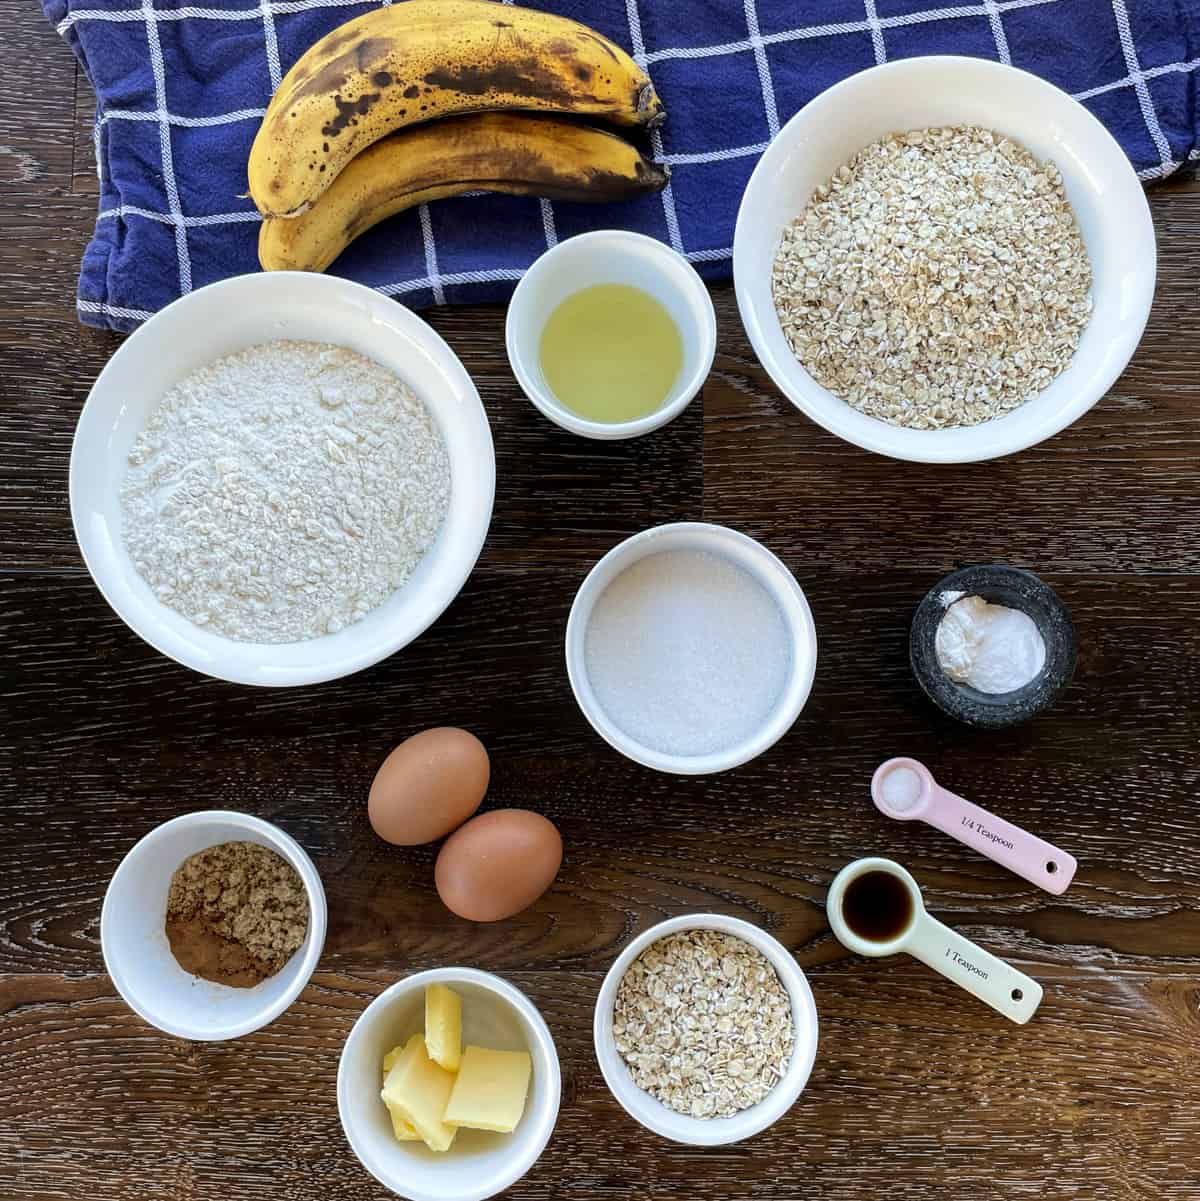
993 981
1033 858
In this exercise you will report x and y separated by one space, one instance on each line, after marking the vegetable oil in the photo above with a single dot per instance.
611 353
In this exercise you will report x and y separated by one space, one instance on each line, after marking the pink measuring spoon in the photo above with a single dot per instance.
906 790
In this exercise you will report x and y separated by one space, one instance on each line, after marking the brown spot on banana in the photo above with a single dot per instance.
362 55
530 76
347 113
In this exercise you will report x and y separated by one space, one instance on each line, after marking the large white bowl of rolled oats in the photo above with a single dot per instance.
705 1029
944 259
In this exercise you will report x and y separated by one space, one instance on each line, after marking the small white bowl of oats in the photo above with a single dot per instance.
705 1029
944 259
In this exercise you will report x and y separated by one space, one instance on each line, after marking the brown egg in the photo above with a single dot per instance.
429 785
498 864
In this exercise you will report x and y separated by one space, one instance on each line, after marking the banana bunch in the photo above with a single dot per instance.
347 139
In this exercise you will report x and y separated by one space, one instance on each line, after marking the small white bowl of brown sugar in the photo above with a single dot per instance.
705 1029
212 925
944 259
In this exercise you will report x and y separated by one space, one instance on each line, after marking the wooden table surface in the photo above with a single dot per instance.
918 1091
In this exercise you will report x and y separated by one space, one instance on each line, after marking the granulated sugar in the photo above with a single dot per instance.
687 652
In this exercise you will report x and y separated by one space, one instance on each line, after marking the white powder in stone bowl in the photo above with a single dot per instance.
687 653
283 492
989 647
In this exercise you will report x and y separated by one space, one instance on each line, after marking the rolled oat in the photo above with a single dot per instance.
703 1023
938 279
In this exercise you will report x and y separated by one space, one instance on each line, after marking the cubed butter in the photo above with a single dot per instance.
489 1093
406 1132
417 1089
389 1060
443 1026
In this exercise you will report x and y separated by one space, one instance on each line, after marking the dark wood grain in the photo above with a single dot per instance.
918 1092
911 1097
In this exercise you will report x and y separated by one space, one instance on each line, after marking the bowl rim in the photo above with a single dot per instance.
925 446
711 1132
776 578
542 1049
412 327
283 844
524 299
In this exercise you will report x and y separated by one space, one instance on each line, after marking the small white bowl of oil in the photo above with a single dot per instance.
611 334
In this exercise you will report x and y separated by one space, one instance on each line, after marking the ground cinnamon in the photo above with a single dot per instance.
236 913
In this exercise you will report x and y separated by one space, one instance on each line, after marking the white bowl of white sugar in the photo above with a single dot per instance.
913 96
282 478
691 648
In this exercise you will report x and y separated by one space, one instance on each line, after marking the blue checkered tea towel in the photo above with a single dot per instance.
181 89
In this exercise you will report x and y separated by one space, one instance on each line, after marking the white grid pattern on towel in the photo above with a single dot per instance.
877 44
764 68
431 258
802 32
755 43
171 188
638 48
272 44
998 34
1145 100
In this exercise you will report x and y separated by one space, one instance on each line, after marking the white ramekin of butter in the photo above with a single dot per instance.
448 1086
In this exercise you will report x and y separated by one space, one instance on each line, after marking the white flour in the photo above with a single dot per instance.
283 492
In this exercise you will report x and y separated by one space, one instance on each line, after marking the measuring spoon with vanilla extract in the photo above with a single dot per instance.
906 790
875 909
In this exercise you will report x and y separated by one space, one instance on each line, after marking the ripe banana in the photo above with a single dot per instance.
497 152
421 59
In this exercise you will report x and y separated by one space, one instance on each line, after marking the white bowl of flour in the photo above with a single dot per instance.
282 479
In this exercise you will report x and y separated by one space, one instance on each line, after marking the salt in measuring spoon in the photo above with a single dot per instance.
906 790
875 917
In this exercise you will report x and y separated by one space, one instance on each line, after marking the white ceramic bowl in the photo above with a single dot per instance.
230 316
916 93
768 570
138 956
479 1164
611 256
710 1132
